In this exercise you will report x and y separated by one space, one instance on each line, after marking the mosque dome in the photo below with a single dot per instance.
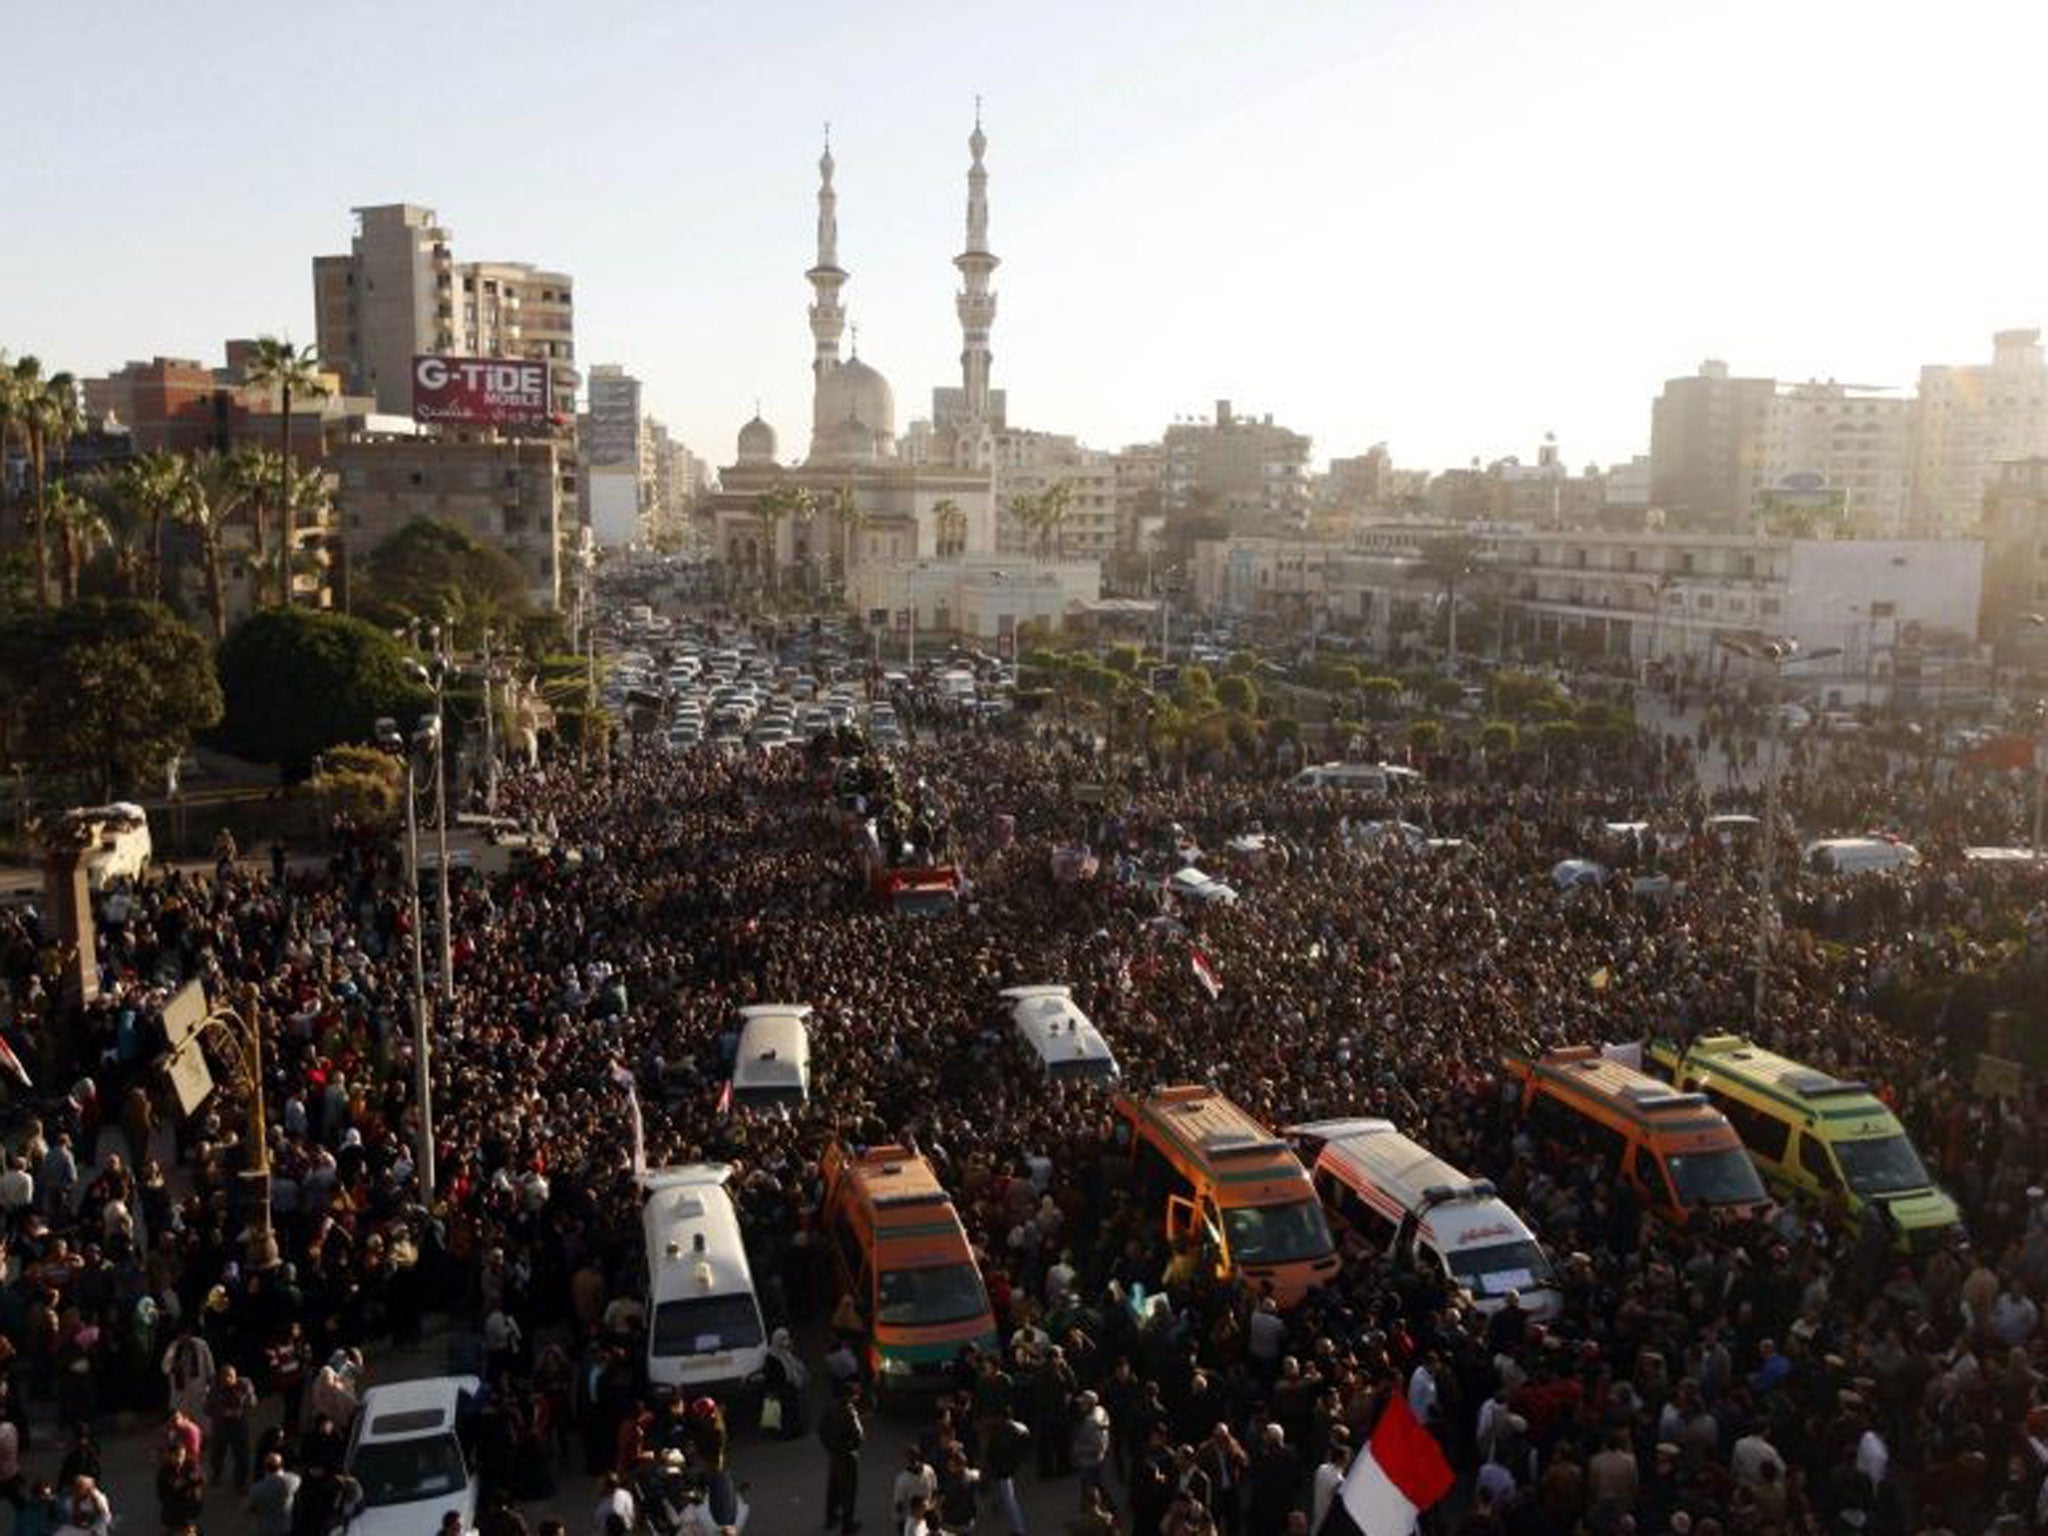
757 442
854 441
854 389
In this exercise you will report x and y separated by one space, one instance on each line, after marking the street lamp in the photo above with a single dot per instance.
245 1027
2038 621
436 680
421 742
1777 654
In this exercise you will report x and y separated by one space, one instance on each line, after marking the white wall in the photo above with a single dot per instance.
614 505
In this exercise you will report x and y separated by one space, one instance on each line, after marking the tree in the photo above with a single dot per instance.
432 570
120 522
257 475
299 681
362 783
1238 694
219 492
1522 695
289 370
1425 735
1447 563
773 508
1043 516
76 522
106 691
44 409
1498 736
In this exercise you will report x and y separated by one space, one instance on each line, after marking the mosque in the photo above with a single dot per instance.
868 505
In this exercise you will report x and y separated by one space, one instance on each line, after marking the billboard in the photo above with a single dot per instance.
480 391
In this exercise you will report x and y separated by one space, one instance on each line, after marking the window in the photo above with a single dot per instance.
1764 1134
1813 1157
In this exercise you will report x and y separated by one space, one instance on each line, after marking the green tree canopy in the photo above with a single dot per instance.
1239 694
434 570
107 691
298 681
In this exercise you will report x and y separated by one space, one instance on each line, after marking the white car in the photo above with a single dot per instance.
1193 885
121 848
407 1455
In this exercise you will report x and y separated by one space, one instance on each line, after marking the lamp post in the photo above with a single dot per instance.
1776 654
244 1025
423 1085
436 679
2038 621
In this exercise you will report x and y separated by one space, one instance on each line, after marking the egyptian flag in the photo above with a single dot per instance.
1205 973
1400 1473
624 1079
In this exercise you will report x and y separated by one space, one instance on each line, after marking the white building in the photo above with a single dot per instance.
987 597
614 497
1667 597
1972 419
1853 441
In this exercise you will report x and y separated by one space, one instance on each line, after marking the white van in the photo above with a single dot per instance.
1360 778
1404 1200
406 1452
1062 1037
704 1330
773 1063
1858 855
121 848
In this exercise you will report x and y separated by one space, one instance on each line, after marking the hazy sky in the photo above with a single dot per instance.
1447 224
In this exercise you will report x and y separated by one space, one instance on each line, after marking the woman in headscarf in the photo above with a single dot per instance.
783 1379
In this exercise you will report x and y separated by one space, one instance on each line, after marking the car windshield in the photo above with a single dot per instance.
1726 1177
929 903
705 1325
406 1471
1098 1069
938 1293
1498 1268
1276 1234
1883 1165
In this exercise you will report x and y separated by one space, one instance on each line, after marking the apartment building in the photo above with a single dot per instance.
1972 419
507 494
1027 464
1252 472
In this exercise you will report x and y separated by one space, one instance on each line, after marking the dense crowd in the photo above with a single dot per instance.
1792 1376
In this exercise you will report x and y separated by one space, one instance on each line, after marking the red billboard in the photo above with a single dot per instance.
480 391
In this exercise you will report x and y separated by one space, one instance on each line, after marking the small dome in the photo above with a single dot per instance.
757 442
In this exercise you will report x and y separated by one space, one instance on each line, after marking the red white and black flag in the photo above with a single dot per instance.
1205 972
1400 1473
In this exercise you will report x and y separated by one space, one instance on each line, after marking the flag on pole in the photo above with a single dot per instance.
725 1098
1205 972
624 1079
11 1063
1400 1473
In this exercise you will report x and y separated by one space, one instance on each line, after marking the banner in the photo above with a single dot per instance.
481 391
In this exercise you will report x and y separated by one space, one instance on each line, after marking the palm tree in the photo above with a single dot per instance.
117 501
291 371
163 487
48 417
76 522
951 519
256 474
221 493
1447 562
773 508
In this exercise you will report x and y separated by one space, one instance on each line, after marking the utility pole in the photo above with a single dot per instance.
423 1080
490 733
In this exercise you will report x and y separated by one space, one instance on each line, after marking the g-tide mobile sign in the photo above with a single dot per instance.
480 391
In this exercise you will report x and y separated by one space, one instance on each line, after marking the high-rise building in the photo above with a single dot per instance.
2016 559
1028 465
1851 441
1971 419
391 298
1707 442
1248 470
612 428
399 292
513 309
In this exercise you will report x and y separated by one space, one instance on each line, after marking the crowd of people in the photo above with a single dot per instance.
1785 1377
